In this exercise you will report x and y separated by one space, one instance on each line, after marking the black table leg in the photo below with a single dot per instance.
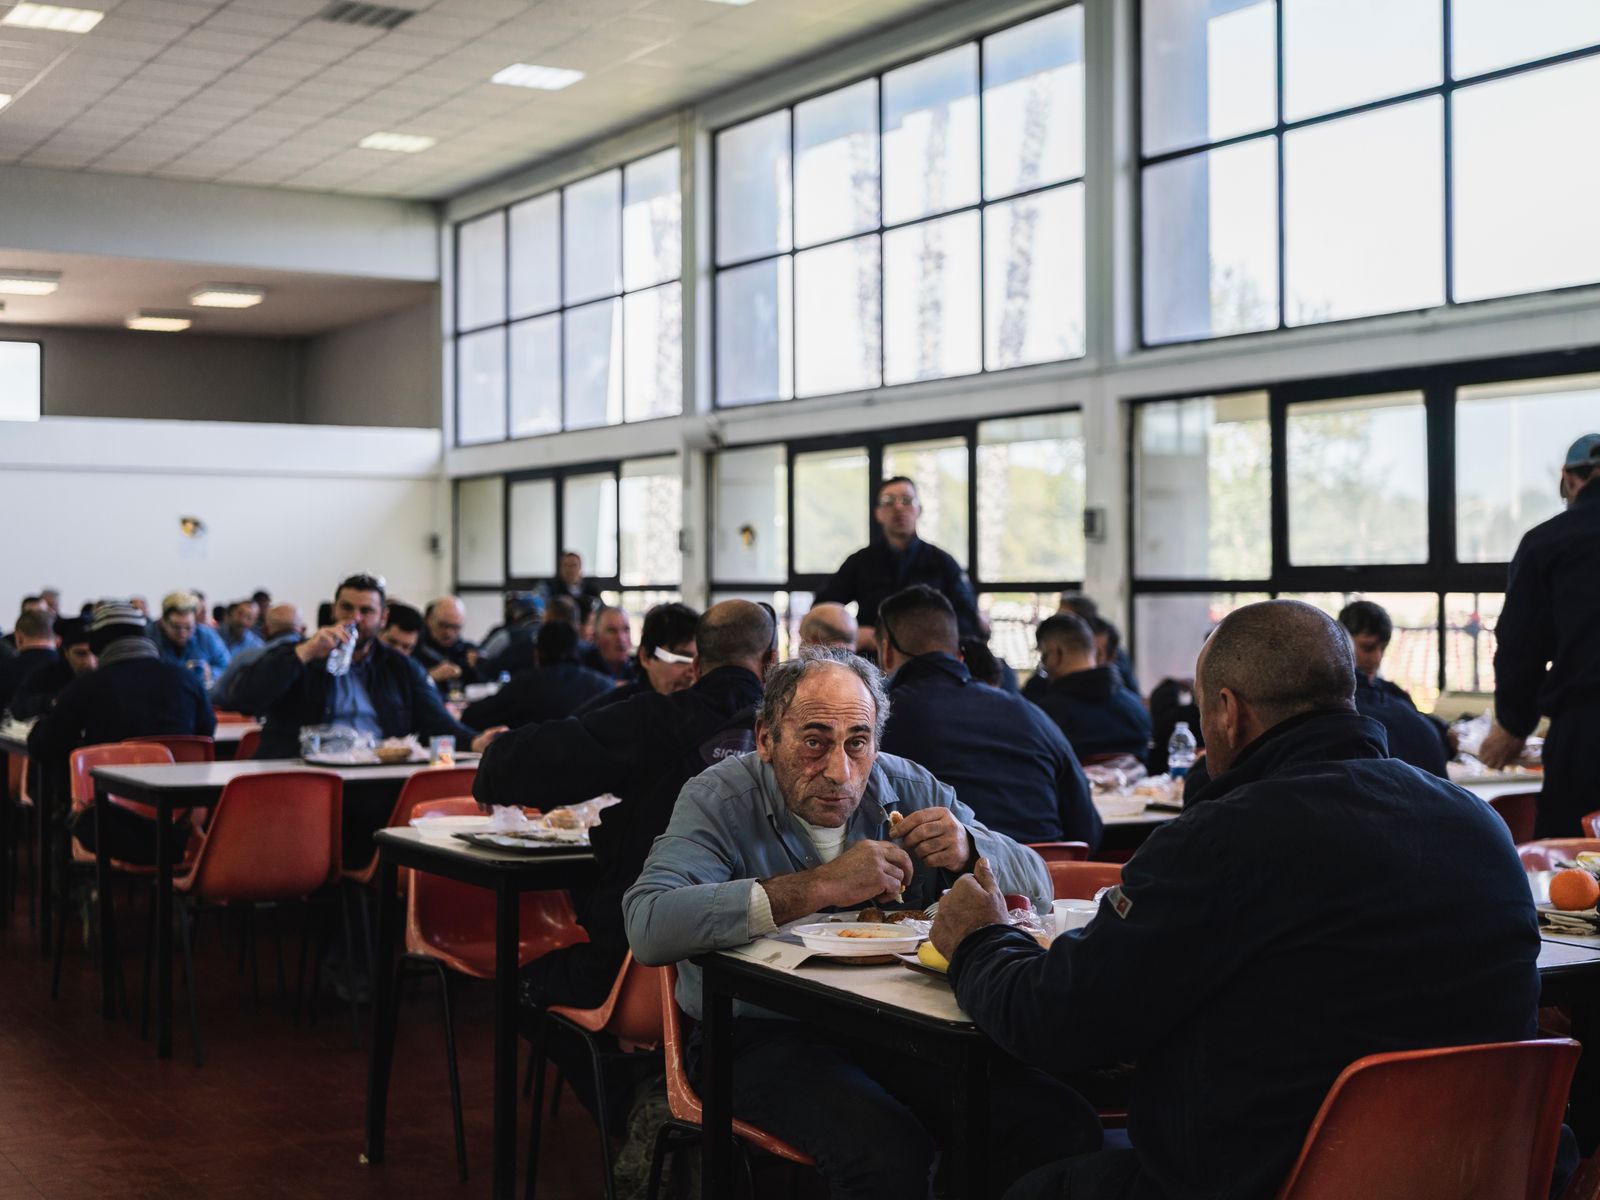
45 818
103 907
507 939
8 812
163 924
716 1057
967 1174
383 1023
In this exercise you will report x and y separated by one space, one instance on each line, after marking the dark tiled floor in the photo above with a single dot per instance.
88 1113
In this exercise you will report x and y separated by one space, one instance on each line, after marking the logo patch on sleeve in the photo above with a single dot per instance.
1119 901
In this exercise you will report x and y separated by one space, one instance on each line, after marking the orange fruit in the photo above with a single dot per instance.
1573 889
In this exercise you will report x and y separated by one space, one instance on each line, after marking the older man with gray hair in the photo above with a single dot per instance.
803 826
828 624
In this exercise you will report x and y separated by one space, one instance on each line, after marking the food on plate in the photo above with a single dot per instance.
563 818
1572 890
870 933
394 750
930 957
905 914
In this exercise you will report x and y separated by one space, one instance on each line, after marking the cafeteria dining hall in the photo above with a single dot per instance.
744 599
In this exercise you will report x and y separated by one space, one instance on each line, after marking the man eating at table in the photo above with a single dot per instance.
1316 902
803 826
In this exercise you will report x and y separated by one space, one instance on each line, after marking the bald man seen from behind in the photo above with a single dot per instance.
1316 902
828 624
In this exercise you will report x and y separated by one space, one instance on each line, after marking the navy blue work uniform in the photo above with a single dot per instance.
643 751
1004 757
1318 902
1552 616
15 669
542 694
877 571
1098 715
1413 737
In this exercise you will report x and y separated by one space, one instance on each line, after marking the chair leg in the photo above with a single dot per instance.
658 1160
186 923
249 937
365 915
350 968
746 1167
536 1068
56 955
555 1094
602 1115
300 973
144 987
455 1077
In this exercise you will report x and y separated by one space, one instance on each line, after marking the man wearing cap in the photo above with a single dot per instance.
36 693
895 560
1547 661
183 638
132 693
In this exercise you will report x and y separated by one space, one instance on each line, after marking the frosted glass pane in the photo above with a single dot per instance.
1396 42
533 529
939 469
750 515
589 522
836 164
931 322
481 271
1488 34
652 221
831 509
1209 71
481 386
1030 499
480 544
755 332
536 376
536 255
837 318
592 231
1033 279
593 361
651 519
753 199
1033 127
930 135
653 356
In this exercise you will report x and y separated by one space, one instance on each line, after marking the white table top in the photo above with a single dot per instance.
234 731
1490 786
217 774
1148 816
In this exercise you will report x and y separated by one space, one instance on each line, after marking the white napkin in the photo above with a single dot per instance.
510 819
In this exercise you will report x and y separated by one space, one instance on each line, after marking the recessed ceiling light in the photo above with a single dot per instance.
734 3
546 79
227 295
53 16
4 99
29 283
158 322
399 143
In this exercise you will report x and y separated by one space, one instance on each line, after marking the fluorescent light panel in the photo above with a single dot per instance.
158 322
53 16
527 75
732 3
29 283
398 143
227 295
4 99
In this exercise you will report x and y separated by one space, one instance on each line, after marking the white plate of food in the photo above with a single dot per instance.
854 939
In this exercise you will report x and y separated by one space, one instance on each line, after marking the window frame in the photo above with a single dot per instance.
1443 574
1446 88
508 322
980 207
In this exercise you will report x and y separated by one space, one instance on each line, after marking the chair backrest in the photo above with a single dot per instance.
226 716
1053 852
273 836
1456 1123
185 747
682 1099
1081 880
436 783
248 745
1517 810
108 754
1591 824
1546 855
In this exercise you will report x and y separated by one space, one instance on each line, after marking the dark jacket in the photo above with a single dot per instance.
292 694
628 672
120 700
616 695
876 572
586 595
1551 615
1004 757
36 693
430 654
1413 738
1098 715
544 694
15 670
1318 902
643 752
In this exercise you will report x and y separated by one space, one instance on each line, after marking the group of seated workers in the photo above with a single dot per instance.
1317 901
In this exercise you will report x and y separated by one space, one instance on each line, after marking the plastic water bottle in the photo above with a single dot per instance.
1180 751
340 658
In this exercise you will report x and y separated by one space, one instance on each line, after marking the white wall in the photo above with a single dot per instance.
93 508
379 372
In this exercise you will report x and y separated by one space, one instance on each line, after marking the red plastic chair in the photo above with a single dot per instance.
1081 880
631 1014
1517 810
1448 1124
1054 852
1591 824
450 926
248 745
436 783
227 716
185 747
684 1128
273 838
1551 853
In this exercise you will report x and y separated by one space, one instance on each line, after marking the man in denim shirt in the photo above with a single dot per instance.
802 826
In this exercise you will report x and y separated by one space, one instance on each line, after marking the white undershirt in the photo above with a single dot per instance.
829 844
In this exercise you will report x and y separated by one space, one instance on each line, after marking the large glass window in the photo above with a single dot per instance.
650 514
20 390
830 508
480 540
568 309
1283 187
1030 499
923 224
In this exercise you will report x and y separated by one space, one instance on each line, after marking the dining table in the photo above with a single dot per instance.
169 787
507 873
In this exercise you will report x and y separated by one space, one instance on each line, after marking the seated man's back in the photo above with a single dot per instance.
1413 738
1317 902
1087 702
1005 759
556 688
